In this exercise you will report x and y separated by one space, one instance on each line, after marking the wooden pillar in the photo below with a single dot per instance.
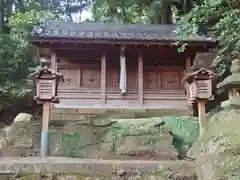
188 64
53 64
103 78
201 114
45 133
54 61
187 70
140 78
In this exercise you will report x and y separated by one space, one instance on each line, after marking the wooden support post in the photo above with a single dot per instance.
201 114
103 78
140 78
45 133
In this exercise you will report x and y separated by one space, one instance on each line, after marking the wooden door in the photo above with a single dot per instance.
170 80
71 77
91 78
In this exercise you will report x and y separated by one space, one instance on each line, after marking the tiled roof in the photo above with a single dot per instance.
100 31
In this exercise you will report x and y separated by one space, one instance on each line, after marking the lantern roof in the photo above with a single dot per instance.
44 70
203 71
232 81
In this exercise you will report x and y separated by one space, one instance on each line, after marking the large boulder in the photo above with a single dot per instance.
23 117
20 138
217 150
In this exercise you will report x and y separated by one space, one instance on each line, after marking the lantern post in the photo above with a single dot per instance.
199 85
46 83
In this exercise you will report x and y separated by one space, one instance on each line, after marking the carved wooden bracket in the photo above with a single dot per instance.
68 79
92 79
171 81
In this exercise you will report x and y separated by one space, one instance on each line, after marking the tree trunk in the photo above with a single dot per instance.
2 14
164 14
166 17
8 7
19 5
187 6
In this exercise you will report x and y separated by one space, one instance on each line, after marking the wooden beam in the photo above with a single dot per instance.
129 42
103 78
140 78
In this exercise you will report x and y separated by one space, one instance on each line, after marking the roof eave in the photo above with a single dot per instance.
41 39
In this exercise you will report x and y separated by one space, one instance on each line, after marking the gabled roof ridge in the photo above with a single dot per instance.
111 23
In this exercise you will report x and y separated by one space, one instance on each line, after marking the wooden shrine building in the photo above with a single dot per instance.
118 66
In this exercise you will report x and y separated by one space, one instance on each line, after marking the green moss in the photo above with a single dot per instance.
185 131
29 177
218 149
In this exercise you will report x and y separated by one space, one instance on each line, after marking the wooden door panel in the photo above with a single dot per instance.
152 80
170 80
70 76
132 80
91 78
113 78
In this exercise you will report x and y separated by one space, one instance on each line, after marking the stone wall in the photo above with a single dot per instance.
106 136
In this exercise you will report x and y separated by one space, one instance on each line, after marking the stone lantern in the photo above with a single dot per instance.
232 84
199 85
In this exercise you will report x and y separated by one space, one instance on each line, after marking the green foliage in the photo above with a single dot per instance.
18 57
221 17
185 131
70 144
140 11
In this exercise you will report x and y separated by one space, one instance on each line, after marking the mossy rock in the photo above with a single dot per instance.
218 149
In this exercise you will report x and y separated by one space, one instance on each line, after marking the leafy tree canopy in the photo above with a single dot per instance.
219 18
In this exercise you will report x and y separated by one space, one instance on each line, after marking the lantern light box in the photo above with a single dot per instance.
199 85
46 81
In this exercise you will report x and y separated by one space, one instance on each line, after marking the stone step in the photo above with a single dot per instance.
95 168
